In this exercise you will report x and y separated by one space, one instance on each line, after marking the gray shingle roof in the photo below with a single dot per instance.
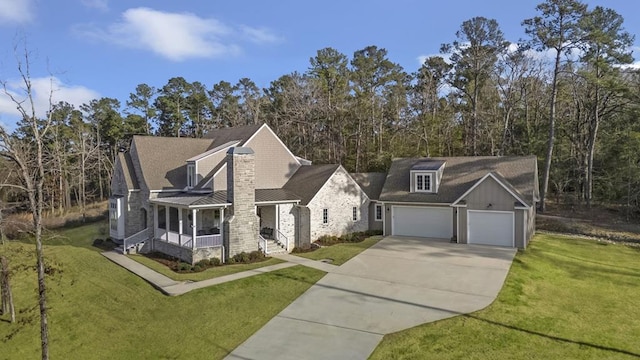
237 133
130 177
308 180
163 159
371 183
460 174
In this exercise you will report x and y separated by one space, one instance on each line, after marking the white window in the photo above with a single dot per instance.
325 216
355 213
423 182
191 175
378 212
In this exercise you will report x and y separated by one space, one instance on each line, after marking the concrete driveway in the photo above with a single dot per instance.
396 284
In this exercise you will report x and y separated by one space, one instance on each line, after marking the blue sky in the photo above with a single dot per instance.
96 48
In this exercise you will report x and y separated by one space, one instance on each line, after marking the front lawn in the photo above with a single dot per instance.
98 310
564 298
340 253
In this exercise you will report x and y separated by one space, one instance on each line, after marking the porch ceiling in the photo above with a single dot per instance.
219 198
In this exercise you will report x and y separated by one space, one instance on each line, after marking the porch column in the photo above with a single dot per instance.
179 226
221 225
194 228
155 219
166 223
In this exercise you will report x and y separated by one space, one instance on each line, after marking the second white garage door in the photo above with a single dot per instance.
431 222
490 227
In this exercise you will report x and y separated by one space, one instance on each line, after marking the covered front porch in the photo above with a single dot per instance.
180 226
186 228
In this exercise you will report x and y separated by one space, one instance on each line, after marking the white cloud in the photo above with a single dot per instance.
260 35
16 11
42 87
177 36
102 5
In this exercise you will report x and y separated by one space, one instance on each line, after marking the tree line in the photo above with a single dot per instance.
565 94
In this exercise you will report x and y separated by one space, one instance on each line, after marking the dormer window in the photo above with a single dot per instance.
426 175
423 182
191 176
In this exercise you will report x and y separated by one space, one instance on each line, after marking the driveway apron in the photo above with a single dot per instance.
396 284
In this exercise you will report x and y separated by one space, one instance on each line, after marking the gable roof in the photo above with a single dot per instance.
162 159
130 177
460 174
222 136
370 183
502 182
308 180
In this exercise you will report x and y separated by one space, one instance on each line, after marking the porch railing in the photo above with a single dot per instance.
262 244
136 239
281 239
186 240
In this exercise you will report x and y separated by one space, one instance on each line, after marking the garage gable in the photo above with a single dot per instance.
491 192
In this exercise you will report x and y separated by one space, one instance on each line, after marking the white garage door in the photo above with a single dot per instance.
431 222
490 227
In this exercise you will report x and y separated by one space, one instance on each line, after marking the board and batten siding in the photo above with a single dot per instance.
274 163
339 195
490 195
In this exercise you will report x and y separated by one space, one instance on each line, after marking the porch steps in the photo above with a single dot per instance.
273 248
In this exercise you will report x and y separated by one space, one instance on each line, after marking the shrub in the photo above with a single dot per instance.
203 263
198 267
215 262
242 257
256 255
182 266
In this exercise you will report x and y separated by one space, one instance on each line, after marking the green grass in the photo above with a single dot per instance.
98 310
341 253
564 298
203 275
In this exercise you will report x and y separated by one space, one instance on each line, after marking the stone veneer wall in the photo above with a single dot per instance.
241 224
188 255
287 226
340 194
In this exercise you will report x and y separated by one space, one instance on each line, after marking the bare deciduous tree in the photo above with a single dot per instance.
27 154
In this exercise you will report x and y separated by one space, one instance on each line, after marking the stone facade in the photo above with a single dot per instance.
241 224
287 226
339 195
188 255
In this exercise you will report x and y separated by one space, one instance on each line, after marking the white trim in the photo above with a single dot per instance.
513 222
215 150
192 173
375 212
525 227
459 205
276 202
391 202
133 190
457 226
264 125
521 208
430 174
489 174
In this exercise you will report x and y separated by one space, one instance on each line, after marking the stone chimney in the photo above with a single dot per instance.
241 225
